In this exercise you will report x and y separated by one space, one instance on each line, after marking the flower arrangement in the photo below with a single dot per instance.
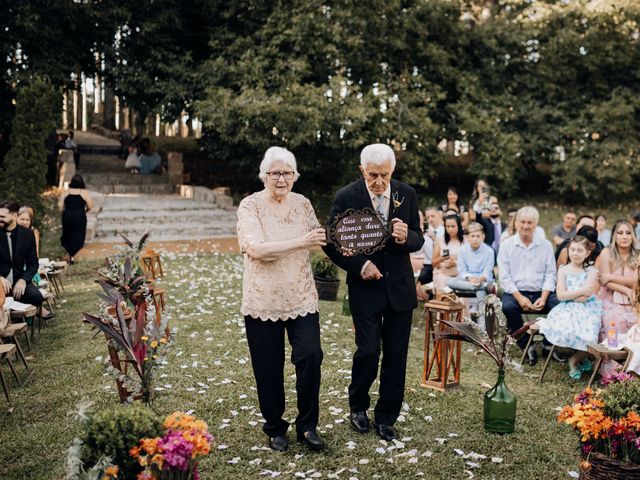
138 341
137 335
495 339
607 420
174 455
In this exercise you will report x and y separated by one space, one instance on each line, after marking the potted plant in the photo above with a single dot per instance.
607 421
325 274
499 402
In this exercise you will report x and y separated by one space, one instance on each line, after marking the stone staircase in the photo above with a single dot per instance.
132 204
165 217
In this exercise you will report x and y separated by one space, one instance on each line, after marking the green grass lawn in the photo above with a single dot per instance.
209 372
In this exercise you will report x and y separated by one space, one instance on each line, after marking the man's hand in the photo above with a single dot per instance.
371 272
399 231
19 288
525 303
475 281
6 286
539 304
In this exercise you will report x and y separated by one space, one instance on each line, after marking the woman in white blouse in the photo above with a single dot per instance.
276 229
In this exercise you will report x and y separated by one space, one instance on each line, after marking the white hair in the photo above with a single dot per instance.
528 212
277 154
377 154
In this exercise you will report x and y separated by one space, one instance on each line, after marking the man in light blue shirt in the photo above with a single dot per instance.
527 270
475 266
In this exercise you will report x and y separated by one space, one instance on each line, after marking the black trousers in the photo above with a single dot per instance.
266 345
512 310
392 329
31 295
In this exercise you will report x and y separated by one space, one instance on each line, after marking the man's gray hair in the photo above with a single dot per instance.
377 154
528 212
277 154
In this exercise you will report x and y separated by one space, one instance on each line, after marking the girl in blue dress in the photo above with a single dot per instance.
575 321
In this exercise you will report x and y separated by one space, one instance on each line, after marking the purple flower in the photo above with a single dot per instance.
615 377
586 448
176 450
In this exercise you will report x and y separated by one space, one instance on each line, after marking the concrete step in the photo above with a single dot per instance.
126 202
155 189
99 149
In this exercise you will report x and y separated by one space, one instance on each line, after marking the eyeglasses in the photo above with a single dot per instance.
276 175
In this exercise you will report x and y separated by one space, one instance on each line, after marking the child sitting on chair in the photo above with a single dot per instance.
575 321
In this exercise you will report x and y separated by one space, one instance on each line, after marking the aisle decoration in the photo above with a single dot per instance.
137 335
607 421
499 402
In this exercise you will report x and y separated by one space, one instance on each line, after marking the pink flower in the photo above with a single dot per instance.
615 377
177 451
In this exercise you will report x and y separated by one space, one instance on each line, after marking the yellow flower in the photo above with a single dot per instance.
164 340
144 338
154 344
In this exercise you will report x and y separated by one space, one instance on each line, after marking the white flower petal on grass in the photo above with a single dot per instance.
459 452
473 464
363 461
441 440
427 454
413 460
453 434
573 474
428 418
380 450
496 459
469 473
234 460
222 447
398 443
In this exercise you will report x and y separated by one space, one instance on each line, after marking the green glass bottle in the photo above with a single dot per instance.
346 311
500 408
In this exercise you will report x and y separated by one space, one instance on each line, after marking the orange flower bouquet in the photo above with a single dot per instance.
607 421
174 455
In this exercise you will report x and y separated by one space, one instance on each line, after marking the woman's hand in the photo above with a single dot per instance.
315 238
449 263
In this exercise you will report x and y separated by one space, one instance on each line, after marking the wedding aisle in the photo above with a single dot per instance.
209 372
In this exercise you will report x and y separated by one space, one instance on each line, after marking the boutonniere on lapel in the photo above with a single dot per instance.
396 202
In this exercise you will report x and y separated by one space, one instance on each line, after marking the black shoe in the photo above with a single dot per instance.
359 421
532 356
555 356
279 443
312 439
386 432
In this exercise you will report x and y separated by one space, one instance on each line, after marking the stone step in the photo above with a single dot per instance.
99 149
161 232
126 202
124 178
155 189
163 216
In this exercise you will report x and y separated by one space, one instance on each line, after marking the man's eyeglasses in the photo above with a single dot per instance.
276 175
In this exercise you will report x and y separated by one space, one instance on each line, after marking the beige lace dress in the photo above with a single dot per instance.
283 288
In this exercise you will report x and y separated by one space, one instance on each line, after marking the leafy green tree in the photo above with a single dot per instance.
25 166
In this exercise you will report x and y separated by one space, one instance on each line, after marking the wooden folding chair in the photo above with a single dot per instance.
603 353
6 351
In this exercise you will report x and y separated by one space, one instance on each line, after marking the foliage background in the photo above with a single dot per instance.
545 92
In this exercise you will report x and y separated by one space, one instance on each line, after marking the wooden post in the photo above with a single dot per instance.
442 353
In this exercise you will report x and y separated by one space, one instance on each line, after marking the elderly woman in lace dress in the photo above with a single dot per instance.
276 229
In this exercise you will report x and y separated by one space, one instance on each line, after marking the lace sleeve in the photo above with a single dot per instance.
249 226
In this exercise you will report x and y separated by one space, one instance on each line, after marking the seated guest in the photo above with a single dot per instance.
527 272
133 158
475 266
497 224
510 229
426 273
618 268
565 230
25 218
575 321
584 220
18 257
445 251
435 227
453 202
635 223
595 247
604 234
149 159
71 144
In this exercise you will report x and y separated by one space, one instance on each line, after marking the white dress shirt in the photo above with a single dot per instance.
525 268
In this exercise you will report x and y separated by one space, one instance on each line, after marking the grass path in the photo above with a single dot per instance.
209 371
